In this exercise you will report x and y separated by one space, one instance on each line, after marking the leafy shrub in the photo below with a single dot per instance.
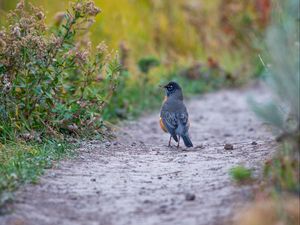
146 63
240 174
49 80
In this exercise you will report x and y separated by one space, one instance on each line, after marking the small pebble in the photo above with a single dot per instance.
190 197
93 179
228 147
73 197
254 143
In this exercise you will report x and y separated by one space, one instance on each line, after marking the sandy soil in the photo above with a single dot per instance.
138 180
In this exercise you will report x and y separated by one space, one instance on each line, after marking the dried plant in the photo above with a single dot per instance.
50 80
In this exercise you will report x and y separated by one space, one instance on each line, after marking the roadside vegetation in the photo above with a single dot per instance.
278 195
240 174
283 112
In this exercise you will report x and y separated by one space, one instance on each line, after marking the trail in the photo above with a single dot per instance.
137 180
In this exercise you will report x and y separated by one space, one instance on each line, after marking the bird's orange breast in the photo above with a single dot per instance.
162 126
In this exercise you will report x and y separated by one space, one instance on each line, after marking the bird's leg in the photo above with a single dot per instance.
178 141
170 141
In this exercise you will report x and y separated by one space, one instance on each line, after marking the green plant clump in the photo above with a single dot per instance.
146 63
240 174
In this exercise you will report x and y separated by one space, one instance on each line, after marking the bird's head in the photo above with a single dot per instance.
173 89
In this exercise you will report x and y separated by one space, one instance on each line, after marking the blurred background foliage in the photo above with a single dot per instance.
281 60
178 31
278 195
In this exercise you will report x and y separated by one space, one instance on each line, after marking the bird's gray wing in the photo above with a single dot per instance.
183 118
171 122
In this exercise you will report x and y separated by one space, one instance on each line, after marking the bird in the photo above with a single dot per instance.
174 118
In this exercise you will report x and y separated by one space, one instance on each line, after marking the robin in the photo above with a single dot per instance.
174 118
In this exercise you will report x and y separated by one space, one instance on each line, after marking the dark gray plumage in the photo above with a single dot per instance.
174 115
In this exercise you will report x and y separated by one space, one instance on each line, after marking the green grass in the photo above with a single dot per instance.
22 163
240 174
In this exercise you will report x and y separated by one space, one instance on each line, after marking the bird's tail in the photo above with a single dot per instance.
187 141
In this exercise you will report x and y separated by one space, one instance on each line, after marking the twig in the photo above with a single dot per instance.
262 62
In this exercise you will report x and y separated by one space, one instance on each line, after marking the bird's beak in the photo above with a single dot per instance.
162 86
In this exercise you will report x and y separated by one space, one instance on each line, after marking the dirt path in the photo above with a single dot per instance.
138 180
